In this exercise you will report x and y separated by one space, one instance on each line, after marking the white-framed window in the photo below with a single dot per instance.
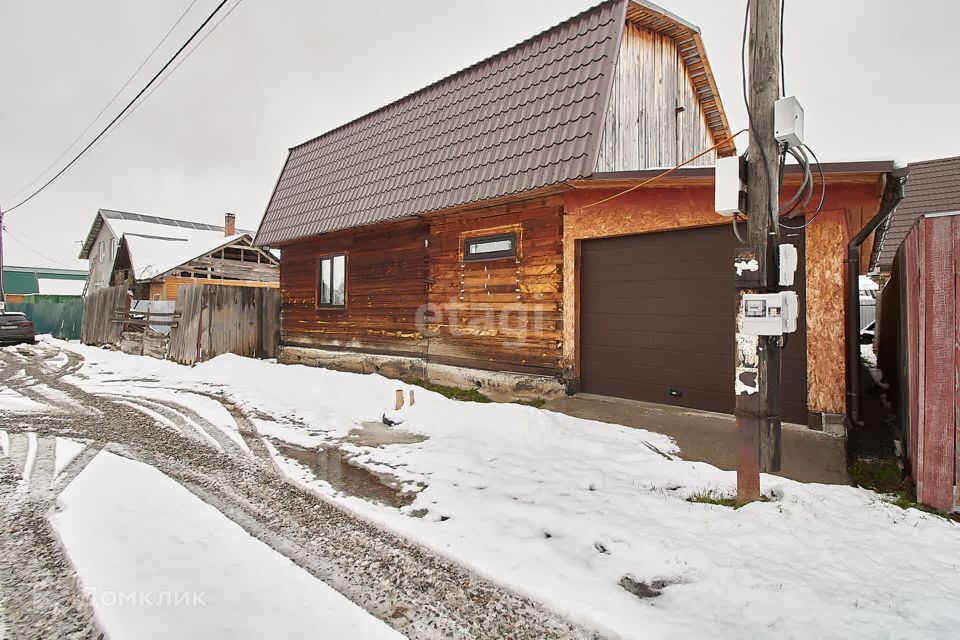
100 251
332 281
114 245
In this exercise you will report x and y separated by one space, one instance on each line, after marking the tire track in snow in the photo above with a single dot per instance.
41 474
75 466
246 426
19 446
189 416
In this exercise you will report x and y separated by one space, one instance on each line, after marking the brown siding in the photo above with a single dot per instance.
386 285
503 314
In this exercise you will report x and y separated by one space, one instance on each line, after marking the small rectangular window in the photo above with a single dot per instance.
100 250
332 281
490 247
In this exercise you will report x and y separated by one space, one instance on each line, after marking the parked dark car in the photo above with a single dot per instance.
15 328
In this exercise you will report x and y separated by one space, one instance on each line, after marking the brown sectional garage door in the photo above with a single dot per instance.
657 321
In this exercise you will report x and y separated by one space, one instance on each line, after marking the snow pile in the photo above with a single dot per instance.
158 562
563 509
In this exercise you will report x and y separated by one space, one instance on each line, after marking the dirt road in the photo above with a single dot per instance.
416 592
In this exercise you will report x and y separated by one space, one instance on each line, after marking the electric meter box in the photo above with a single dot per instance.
729 190
770 314
788 264
788 121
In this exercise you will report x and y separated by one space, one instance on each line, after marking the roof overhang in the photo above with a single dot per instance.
849 172
87 247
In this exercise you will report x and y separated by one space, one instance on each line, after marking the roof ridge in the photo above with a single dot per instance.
465 70
150 215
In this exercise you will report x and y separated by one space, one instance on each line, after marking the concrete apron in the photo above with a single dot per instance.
808 456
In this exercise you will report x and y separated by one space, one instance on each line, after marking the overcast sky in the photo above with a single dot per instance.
874 76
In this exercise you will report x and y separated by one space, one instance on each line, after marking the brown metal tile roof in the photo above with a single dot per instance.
933 186
528 117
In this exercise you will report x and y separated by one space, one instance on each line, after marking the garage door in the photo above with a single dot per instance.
657 321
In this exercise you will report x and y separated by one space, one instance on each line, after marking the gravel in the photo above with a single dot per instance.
418 593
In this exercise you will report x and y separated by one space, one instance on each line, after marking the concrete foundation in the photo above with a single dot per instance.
808 455
496 385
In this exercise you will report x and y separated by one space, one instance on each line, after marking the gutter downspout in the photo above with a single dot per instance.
892 196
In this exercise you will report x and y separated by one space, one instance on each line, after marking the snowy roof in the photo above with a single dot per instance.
123 222
60 287
153 255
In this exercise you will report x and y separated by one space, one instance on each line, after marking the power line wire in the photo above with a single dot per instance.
174 69
32 250
110 102
124 110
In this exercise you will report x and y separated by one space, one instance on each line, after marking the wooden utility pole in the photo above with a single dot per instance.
3 292
758 395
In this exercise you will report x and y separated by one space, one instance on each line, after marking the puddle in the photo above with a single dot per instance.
331 465
377 434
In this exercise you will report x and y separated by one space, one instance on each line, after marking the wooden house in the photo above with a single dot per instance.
155 255
155 266
491 229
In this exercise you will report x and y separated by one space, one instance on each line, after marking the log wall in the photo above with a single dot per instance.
386 286
501 314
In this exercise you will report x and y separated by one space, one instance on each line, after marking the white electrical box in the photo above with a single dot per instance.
727 186
788 121
770 314
788 264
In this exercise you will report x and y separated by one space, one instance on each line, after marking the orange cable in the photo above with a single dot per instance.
660 175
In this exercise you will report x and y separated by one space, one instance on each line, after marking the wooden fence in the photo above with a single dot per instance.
98 325
919 333
215 319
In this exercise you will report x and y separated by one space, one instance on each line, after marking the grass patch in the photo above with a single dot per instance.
536 403
711 497
454 393
883 476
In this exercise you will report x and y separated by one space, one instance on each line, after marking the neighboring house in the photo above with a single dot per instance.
155 255
25 283
933 187
154 267
480 231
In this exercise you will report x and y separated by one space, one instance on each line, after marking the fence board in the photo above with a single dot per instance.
97 326
922 358
218 319
935 476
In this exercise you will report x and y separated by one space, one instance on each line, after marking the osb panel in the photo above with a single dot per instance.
826 371
171 283
641 211
847 206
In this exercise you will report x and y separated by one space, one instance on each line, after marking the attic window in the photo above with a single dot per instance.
332 281
489 247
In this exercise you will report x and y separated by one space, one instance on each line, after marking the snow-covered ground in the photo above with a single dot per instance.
563 509
157 562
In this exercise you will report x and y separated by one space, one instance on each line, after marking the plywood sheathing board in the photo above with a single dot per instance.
826 241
